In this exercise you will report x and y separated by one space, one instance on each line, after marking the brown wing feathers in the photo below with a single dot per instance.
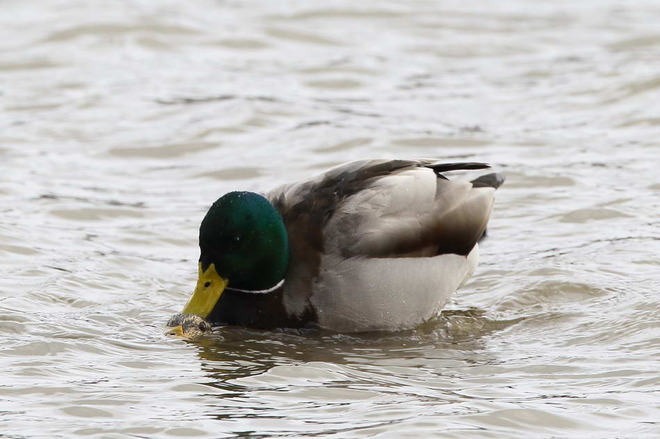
455 230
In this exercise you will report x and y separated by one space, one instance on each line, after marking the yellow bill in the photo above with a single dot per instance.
207 292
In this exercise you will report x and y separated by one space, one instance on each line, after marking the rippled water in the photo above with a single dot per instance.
123 121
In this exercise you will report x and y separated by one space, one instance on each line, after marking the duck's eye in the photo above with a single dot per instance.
207 284
235 242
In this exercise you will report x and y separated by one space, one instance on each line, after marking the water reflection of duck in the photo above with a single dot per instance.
368 245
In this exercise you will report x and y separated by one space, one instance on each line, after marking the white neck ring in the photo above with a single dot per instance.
269 290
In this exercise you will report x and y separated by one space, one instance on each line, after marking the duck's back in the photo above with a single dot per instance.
381 245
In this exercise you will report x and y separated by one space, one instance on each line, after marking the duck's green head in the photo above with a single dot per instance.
244 246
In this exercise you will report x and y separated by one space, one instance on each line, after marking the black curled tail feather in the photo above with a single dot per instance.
444 167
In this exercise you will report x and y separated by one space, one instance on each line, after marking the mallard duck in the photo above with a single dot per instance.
187 326
366 246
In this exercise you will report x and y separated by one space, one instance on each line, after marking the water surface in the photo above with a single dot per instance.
122 122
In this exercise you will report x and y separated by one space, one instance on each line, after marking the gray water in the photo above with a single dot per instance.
122 121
